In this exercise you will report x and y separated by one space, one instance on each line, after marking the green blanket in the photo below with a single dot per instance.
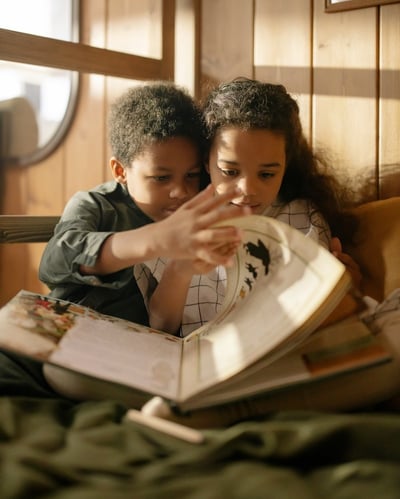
52 448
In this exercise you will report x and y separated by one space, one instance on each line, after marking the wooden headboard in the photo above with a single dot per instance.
26 228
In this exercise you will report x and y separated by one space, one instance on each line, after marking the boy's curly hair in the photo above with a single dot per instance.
151 113
249 104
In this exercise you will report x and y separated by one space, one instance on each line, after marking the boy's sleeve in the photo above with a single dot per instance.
76 241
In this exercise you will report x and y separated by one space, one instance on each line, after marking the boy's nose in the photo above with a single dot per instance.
179 191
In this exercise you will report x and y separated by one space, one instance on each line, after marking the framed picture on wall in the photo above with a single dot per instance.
340 5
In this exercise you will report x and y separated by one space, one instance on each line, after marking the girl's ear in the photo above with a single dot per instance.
118 170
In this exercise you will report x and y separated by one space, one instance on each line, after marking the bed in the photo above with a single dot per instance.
57 448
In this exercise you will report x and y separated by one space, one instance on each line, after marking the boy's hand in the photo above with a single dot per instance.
202 267
189 233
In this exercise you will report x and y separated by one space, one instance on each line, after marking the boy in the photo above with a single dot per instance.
157 138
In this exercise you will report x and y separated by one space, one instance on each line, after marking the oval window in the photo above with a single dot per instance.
36 102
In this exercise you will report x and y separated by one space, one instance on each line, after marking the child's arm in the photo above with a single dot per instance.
168 300
186 234
350 264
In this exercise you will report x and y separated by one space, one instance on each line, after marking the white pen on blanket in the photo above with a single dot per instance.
173 429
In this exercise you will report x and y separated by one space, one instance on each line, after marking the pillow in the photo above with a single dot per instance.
377 249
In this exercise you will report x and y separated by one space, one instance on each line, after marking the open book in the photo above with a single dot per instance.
268 334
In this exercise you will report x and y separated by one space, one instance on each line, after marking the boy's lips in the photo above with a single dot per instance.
171 209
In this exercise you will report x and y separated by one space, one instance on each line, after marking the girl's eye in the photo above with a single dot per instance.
266 175
228 173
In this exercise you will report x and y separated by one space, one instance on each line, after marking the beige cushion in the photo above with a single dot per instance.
378 246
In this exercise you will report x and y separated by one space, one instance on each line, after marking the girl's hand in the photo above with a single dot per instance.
350 264
191 267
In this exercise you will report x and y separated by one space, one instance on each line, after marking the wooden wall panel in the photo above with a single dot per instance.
227 41
389 102
282 49
187 45
135 27
85 159
11 256
345 91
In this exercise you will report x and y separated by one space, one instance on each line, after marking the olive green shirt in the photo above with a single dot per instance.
88 219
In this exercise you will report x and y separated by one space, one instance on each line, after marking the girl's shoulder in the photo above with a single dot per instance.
303 215
280 209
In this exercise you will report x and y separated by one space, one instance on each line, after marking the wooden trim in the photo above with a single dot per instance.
43 51
197 48
354 4
168 40
26 228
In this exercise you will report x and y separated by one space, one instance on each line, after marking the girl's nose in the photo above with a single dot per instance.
246 186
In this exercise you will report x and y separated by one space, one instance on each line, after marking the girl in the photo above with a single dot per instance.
257 146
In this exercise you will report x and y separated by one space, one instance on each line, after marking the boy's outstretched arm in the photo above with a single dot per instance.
186 234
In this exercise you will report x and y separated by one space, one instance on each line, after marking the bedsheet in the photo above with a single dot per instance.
54 448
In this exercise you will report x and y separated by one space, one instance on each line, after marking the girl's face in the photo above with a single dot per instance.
162 177
252 160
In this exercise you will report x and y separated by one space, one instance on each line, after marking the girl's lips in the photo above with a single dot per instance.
255 208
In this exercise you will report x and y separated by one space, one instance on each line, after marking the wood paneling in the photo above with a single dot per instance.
187 45
135 27
283 50
389 102
227 40
345 93
93 168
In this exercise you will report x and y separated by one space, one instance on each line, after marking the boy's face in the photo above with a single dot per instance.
162 177
253 161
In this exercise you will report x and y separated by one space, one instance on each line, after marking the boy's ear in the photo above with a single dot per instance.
118 170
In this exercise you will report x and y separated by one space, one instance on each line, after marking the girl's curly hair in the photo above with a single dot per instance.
249 104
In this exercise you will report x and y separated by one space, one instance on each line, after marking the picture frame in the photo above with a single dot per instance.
342 5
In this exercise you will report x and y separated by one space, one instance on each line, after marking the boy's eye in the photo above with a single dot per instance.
195 174
160 178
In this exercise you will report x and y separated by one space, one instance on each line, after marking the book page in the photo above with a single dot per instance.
342 347
277 295
78 338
